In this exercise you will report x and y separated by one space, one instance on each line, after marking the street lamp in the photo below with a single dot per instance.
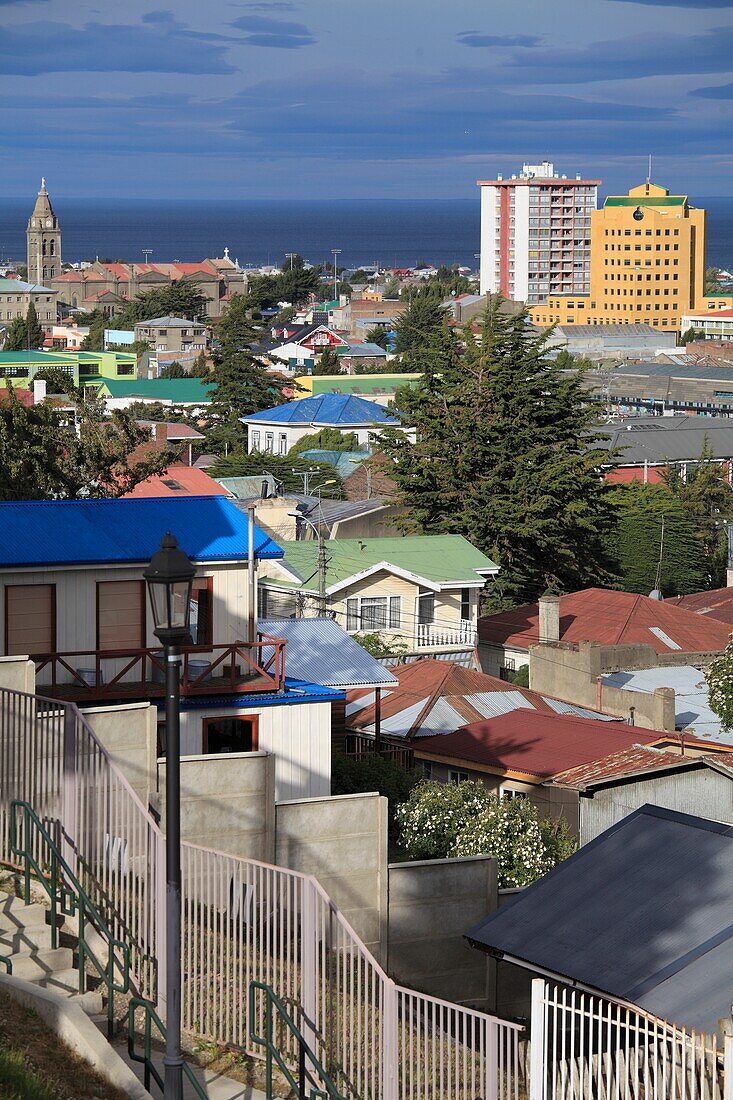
335 252
169 578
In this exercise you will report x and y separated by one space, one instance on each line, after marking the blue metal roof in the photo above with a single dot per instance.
319 650
296 691
327 410
76 532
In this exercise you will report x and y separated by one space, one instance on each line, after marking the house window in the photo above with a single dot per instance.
30 618
269 442
427 769
373 613
240 734
120 614
466 603
457 776
426 608
255 441
507 794
202 611
282 443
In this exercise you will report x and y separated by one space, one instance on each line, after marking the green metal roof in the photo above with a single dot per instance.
646 200
34 358
361 383
442 560
177 390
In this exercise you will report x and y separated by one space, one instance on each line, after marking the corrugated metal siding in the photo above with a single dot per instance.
442 718
320 651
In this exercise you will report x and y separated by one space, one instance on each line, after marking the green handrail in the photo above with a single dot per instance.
299 1085
151 1017
67 891
7 962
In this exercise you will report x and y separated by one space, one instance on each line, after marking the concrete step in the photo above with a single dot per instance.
42 963
25 939
14 914
67 982
215 1085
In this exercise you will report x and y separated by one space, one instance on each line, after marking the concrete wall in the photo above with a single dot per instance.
17 674
129 734
227 803
431 904
343 842
573 673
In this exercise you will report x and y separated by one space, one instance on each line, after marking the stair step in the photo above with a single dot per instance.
41 963
25 939
14 914
99 1019
67 982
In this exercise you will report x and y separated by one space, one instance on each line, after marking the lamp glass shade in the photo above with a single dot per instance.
169 578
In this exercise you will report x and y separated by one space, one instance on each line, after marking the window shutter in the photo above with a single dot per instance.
30 618
120 614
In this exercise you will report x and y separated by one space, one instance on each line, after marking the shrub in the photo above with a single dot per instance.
373 773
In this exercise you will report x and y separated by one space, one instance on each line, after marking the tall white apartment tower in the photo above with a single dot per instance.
535 234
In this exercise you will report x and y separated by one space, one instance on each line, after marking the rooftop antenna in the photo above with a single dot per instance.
147 253
649 172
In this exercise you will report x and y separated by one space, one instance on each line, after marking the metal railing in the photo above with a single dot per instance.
69 899
151 1017
6 962
360 746
305 1075
140 673
462 634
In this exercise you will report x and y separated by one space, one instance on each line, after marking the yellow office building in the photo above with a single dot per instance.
647 265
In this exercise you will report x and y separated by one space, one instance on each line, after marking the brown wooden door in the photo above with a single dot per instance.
30 618
120 614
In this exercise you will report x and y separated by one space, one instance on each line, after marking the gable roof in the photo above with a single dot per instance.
75 532
437 561
187 391
629 764
534 743
718 603
438 697
328 410
610 618
319 650
178 481
641 913
168 322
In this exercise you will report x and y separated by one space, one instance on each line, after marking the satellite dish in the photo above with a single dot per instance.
655 594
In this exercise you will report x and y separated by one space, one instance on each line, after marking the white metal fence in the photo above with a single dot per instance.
242 920
586 1047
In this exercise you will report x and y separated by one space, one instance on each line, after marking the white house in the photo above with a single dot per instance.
276 430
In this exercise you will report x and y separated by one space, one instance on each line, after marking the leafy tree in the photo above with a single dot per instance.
241 386
719 677
17 336
156 410
359 276
174 370
392 288
712 285
285 316
463 819
296 286
328 362
690 335
293 262
45 455
376 335
707 498
22 271
180 299
321 475
57 380
373 773
97 323
236 331
635 541
327 439
379 646
501 456
423 318
34 330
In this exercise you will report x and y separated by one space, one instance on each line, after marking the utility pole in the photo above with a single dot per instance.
322 561
306 475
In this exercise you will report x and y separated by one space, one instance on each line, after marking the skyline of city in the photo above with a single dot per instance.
286 100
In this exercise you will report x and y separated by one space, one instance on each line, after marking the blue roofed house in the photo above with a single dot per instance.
276 430
72 597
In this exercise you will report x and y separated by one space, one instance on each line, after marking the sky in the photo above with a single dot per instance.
333 99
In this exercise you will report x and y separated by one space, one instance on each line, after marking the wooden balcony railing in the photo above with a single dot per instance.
140 673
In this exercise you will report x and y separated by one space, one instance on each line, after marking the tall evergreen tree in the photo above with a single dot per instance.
422 319
236 330
17 337
241 386
34 330
501 456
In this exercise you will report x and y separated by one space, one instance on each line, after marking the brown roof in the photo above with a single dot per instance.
637 760
533 743
610 618
718 603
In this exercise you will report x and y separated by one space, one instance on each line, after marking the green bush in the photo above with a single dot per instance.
374 773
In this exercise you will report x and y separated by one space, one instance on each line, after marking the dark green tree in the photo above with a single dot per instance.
180 299
200 368
174 370
17 337
376 335
236 330
241 386
328 439
707 499
328 362
691 334
501 456
97 322
712 285
650 524
34 330
322 477
423 318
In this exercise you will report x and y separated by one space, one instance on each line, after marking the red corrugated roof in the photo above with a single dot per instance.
638 760
610 618
193 482
533 742
717 603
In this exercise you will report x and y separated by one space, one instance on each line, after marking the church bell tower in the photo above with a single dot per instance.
44 241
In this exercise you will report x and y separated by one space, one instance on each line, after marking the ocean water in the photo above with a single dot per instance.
391 233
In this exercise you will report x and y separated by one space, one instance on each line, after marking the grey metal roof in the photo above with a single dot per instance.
560 707
641 913
492 704
692 706
659 439
319 650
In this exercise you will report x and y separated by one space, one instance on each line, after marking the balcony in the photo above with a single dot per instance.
430 636
139 674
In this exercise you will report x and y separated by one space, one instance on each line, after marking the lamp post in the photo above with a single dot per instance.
335 252
169 578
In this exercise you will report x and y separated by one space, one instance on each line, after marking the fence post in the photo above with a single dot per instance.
69 838
159 918
309 966
493 1087
728 1061
537 1039
390 1044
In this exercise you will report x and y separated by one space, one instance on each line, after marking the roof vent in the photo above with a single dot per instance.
655 594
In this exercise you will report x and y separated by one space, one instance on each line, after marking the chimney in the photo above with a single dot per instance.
39 390
549 618
160 434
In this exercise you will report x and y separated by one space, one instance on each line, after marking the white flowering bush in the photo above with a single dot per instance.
465 819
720 685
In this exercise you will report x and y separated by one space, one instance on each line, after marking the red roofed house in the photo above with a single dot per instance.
179 481
718 604
515 753
595 615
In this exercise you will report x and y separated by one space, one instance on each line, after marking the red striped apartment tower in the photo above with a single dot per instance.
535 234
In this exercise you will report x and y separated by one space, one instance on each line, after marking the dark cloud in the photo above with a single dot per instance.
159 17
718 91
261 30
472 38
163 46
661 53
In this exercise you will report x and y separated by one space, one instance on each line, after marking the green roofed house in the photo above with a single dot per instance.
20 367
169 391
421 592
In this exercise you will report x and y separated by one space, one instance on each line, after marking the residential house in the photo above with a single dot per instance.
599 615
717 603
690 780
191 393
641 914
516 752
73 598
173 339
421 592
647 447
357 316
16 297
178 481
179 438
282 513
276 430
